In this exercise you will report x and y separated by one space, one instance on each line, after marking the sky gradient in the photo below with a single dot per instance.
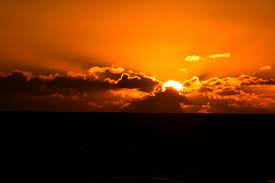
160 40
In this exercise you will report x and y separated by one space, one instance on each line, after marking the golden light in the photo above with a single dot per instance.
172 84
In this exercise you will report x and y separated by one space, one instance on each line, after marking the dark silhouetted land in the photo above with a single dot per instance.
140 148
176 147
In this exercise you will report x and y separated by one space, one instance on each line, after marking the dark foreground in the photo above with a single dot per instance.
139 148
143 148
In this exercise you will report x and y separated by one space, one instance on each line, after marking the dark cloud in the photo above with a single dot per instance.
112 89
21 90
162 102
142 82
19 81
125 78
14 82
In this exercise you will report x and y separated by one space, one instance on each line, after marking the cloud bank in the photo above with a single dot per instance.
110 89
103 89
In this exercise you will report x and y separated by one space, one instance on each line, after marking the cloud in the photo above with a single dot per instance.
168 101
21 90
19 76
142 82
231 95
113 100
266 68
110 89
106 72
242 94
193 58
193 83
223 55
3 75
113 70
183 70
232 102
123 78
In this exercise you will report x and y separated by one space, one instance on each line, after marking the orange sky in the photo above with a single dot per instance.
151 36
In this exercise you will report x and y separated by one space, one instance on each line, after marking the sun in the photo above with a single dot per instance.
172 84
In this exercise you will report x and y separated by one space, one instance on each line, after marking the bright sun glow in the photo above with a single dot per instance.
172 84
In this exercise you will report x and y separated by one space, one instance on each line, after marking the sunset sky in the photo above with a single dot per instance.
158 40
